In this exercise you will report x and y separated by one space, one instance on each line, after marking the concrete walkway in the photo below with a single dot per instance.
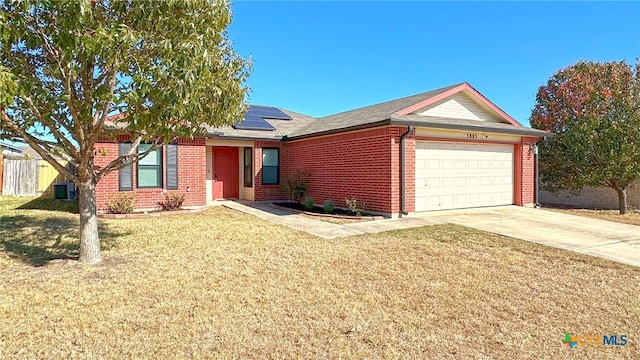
323 229
605 239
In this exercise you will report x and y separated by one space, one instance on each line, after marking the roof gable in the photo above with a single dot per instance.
366 115
460 106
472 93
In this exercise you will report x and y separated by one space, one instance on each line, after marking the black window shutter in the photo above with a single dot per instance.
125 174
172 167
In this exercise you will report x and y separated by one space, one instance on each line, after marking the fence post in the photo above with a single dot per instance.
1 171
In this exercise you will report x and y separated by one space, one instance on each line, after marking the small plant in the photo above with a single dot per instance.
172 201
308 203
328 206
297 185
121 204
354 206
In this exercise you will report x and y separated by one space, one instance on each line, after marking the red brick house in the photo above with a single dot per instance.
444 149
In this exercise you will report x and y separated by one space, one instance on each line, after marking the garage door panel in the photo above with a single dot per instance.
434 164
446 182
459 175
421 165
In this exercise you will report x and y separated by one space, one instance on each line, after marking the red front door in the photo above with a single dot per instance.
225 172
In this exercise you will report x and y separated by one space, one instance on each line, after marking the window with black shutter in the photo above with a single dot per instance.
172 167
125 174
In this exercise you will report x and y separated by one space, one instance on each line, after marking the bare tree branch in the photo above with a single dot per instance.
54 130
36 144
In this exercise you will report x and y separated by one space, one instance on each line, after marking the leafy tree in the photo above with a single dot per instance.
594 111
167 67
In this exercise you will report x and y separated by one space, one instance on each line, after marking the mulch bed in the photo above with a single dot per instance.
152 213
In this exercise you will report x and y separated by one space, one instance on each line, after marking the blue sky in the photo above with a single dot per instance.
320 58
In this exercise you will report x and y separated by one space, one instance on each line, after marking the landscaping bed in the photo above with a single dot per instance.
150 213
319 212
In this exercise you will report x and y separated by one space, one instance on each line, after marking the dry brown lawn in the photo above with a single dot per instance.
633 217
221 284
339 221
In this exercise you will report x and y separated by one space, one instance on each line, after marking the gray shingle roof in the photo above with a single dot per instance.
302 126
28 150
365 115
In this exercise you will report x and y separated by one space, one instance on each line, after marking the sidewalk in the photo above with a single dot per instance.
323 229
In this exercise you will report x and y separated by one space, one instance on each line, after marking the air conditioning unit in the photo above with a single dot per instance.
64 191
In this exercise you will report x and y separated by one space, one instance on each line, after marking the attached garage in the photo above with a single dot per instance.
455 175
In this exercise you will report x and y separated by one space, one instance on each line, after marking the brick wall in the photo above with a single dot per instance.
525 173
410 171
191 174
361 164
269 192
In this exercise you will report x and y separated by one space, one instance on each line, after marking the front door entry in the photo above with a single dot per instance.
225 172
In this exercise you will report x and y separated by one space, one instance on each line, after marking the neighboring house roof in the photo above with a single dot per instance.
9 148
28 151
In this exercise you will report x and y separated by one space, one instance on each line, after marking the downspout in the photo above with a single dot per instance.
537 176
403 191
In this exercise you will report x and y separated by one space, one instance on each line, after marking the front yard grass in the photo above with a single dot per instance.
221 284
633 217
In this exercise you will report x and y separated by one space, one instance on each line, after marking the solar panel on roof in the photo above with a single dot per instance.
268 112
253 122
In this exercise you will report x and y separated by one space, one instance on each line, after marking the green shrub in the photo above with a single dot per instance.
172 201
328 206
354 206
121 204
297 185
309 203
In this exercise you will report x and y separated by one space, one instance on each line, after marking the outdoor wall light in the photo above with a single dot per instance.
533 149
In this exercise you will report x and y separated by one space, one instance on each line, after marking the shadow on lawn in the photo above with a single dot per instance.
43 203
38 240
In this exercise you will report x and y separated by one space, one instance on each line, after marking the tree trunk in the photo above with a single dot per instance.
89 237
622 199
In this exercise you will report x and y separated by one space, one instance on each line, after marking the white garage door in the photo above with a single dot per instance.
452 175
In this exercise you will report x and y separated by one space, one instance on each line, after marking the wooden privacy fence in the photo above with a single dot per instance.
29 178
20 178
47 176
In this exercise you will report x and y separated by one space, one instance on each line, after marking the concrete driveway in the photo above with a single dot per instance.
605 239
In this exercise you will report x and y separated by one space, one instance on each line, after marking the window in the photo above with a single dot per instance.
150 168
270 166
172 167
125 174
248 167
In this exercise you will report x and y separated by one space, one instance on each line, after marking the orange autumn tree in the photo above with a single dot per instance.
593 109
